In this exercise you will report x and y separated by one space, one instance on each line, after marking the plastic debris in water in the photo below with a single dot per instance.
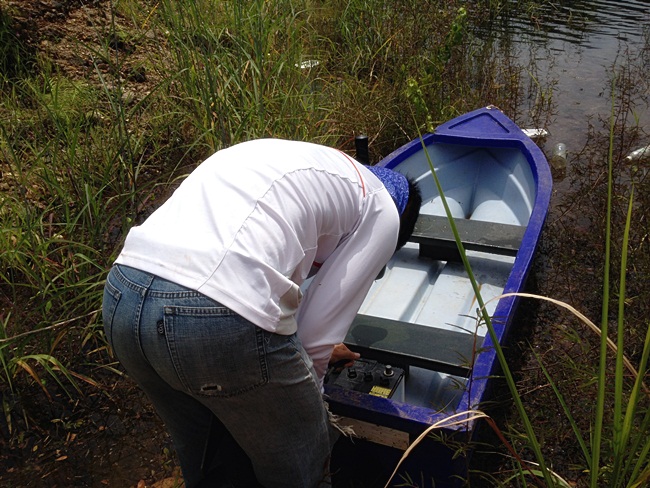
558 158
638 154
535 133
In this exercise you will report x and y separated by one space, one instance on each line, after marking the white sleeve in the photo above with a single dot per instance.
340 286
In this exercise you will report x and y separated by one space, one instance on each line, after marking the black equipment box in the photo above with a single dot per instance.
367 376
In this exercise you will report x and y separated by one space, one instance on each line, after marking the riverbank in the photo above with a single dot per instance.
106 105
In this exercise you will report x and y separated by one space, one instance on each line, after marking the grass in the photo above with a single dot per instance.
86 157
86 152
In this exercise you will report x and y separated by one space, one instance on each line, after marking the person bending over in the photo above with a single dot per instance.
204 307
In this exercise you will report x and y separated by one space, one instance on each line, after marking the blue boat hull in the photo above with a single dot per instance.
421 316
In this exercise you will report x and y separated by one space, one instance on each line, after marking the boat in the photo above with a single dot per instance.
425 354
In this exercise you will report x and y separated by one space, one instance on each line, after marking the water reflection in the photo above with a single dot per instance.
569 49
579 20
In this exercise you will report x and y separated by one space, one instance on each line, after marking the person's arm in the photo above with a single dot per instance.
340 286
341 354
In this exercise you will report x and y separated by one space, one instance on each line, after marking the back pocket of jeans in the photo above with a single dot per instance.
215 352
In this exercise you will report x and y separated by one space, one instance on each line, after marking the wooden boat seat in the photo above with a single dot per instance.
436 238
404 344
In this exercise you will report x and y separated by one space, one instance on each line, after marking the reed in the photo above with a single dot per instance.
616 447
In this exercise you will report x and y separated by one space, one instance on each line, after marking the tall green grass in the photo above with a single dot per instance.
83 158
237 73
72 157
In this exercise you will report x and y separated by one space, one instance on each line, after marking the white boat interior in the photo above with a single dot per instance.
482 184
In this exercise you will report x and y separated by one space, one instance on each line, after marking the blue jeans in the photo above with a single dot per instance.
220 384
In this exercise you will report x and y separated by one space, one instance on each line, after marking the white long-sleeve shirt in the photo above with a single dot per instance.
246 226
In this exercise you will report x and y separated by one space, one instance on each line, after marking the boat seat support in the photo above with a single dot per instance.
436 238
403 344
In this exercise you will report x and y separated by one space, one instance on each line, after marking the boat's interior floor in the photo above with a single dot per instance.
436 293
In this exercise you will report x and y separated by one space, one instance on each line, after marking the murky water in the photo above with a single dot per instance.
572 48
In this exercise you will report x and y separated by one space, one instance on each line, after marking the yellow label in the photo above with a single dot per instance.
380 391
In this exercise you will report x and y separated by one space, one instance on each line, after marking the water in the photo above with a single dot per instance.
570 49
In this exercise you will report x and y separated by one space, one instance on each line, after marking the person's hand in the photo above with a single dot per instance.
342 356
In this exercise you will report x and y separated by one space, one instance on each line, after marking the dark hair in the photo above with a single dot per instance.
411 213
